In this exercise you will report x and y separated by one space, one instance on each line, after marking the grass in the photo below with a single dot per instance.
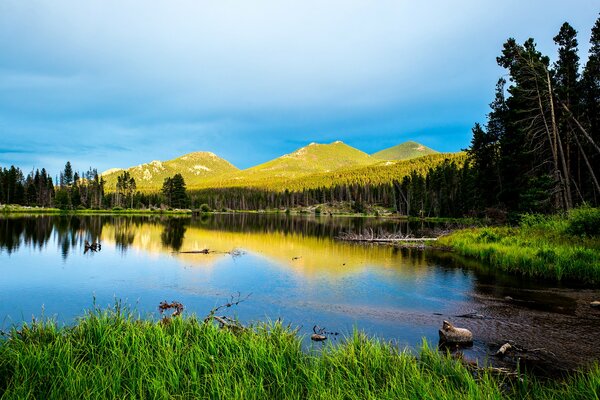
18 209
560 248
112 354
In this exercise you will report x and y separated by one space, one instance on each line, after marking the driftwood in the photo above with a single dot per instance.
203 251
320 334
503 349
95 246
232 253
317 337
224 321
453 335
176 306
369 236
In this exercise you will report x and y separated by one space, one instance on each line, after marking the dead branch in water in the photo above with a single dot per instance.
224 321
232 253
369 236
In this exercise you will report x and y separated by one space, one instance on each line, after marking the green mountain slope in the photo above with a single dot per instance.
310 159
194 167
404 151
383 172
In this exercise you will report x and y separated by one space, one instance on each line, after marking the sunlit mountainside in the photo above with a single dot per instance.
312 166
194 167
404 151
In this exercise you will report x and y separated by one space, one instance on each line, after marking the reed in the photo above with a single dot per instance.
561 248
113 354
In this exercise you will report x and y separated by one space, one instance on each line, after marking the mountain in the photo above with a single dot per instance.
312 158
194 167
404 151
315 165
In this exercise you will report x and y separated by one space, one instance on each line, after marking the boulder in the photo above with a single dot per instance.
451 334
595 304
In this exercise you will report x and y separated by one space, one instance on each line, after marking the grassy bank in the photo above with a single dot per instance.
563 248
17 209
110 354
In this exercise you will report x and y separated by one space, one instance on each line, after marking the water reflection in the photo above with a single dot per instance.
240 230
294 268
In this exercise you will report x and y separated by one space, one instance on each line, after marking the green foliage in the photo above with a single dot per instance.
404 151
174 191
205 208
584 221
112 354
62 199
551 247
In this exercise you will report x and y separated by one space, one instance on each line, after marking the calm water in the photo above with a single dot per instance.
293 269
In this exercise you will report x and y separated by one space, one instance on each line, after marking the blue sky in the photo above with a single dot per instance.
112 83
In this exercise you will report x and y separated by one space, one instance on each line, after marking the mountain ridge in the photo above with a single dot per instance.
206 169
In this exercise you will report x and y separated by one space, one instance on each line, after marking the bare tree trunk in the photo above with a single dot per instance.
581 128
568 200
587 162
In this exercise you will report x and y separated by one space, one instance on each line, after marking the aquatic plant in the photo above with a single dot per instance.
555 247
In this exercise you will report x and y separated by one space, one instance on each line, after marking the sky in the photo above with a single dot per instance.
116 83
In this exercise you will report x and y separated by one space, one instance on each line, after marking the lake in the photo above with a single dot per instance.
285 267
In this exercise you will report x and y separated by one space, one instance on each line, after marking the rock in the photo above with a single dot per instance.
317 338
595 304
508 298
451 334
503 349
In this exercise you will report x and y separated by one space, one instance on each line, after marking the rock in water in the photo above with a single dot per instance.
318 337
595 304
451 334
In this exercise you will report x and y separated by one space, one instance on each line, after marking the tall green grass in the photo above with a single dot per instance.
552 247
112 354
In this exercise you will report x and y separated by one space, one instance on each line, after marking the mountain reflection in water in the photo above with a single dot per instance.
294 269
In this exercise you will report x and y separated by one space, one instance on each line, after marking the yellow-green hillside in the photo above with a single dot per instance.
308 160
378 173
404 151
194 167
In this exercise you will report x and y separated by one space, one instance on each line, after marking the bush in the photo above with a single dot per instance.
117 208
205 208
584 221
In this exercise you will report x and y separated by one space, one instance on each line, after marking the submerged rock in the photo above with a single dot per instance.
451 334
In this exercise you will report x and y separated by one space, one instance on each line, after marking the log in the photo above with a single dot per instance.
451 334
375 240
317 337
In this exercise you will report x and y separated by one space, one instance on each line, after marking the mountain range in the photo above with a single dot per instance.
205 169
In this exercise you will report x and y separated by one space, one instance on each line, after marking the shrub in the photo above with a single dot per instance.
584 221
205 208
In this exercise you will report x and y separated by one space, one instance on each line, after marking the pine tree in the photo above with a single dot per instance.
67 174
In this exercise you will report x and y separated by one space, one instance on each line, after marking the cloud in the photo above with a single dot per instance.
117 83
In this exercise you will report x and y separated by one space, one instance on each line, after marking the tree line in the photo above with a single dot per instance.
84 190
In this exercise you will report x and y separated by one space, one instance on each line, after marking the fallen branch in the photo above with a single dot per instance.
226 322
232 253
